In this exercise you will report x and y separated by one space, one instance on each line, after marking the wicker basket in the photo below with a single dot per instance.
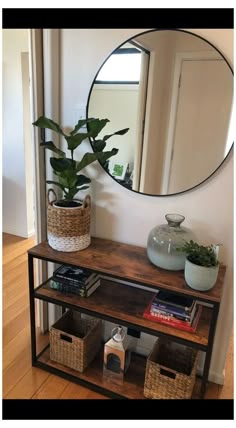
68 229
74 341
170 371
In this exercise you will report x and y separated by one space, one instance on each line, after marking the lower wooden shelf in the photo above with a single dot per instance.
131 387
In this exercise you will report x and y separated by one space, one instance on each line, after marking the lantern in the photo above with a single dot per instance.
116 354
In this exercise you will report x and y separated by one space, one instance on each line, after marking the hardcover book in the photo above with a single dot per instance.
174 311
184 316
167 320
80 284
183 302
74 275
66 288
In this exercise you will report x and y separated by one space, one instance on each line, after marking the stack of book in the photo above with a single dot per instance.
174 310
73 280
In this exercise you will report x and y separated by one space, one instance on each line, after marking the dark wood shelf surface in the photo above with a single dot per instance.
131 387
127 262
126 303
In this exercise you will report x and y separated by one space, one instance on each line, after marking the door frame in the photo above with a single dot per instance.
37 103
141 113
179 58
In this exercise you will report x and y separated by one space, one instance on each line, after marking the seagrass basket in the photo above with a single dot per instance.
68 229
75 341
170 371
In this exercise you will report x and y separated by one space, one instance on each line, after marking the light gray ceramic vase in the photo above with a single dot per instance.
201 278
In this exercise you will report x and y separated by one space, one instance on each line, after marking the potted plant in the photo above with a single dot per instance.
201 265
68 218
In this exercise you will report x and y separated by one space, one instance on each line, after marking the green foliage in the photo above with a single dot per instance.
199 254
70 181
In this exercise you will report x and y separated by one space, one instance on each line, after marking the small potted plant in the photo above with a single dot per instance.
68 218
201 265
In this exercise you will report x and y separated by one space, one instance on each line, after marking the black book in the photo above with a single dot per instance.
74 275
78 284
67 288
175 300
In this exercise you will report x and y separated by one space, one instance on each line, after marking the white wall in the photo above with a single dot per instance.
18 217
126 216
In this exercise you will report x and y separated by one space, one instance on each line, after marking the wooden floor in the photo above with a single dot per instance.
20 379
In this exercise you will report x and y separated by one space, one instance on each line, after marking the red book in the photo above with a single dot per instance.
182 325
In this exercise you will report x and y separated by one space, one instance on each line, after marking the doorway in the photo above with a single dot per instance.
18 203
23 164
199 77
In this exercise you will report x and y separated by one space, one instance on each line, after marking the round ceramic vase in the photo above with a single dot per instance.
163 241
201 278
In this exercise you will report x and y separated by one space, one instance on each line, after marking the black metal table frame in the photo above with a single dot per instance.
35 362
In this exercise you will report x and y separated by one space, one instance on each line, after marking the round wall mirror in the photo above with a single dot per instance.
174 91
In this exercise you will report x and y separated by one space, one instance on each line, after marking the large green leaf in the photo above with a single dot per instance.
68 179
98 145
79 125
121 132
44 122
95 126
82 179
89 158
51 146
62 164
74 141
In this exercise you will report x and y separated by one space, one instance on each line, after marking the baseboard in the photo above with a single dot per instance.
31 233
218 378
12 231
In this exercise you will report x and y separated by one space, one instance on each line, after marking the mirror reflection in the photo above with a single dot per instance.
174 91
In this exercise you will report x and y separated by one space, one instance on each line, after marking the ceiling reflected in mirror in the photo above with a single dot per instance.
174 91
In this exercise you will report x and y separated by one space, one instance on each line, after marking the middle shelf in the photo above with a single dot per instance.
125 304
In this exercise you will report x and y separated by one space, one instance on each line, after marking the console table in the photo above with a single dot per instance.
122 304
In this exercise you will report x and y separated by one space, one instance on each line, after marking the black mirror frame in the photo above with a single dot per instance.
89 96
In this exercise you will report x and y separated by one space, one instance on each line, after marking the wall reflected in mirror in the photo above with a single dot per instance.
174 91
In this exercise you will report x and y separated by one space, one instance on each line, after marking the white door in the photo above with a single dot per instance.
203 111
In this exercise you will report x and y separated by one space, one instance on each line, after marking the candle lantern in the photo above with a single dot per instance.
116 354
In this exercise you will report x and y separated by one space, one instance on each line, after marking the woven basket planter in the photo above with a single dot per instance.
75 341
170 371
68 229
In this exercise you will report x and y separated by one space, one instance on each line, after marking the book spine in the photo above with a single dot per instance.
169 323
170 318
80 284
175 312
172 314
170 308
68 288
173 305
71 280
189 328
